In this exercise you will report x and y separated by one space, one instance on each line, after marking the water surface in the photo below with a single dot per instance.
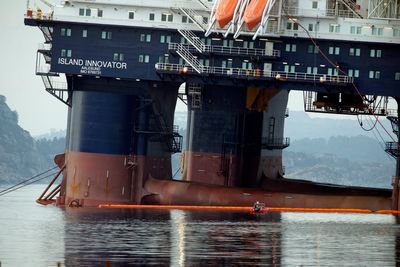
33 235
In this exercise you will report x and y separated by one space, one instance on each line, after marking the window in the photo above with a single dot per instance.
205 20
226 63
119 57
66 32
151 16
334 50
333 72
206 62
334 28
290 48
66 53
292 26
247 44
377 31
310 27
397 76
165 39
144 58
145 38
312 49
374 74
84 33
185 19
314 4
106 35
375 53
247 65
353 73
355 29
227 43
396 32
312 70
166 17
131 14
88 12
355 52
81 12
163 59
100 13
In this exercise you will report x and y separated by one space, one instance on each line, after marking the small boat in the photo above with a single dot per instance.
225 12
253 13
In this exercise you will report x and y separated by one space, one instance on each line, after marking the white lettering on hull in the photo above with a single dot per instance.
92 66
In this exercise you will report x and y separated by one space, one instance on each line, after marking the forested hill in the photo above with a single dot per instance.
21 156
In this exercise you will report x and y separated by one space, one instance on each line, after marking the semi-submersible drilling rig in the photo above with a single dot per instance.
121 65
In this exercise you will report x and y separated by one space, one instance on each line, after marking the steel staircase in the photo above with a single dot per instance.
184 53
204 4
171 137
392 148
193 40
53 82
47 33
195 17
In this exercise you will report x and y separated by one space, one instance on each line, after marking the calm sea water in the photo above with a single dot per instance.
32 235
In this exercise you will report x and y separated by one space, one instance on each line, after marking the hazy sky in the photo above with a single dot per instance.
38 110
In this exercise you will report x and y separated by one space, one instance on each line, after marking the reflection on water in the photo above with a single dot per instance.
31 235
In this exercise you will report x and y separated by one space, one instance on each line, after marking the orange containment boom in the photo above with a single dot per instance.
233 208
254 12
225 12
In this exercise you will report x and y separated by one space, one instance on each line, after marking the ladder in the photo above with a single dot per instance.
195 17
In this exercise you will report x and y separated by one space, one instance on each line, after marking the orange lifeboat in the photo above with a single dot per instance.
253 13
225 11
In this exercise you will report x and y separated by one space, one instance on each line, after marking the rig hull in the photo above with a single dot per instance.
123 71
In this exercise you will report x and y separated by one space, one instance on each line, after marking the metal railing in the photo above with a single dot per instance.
191 38
191 14
256 73
275 143
392 148
229 50
189 58
295 11
44 46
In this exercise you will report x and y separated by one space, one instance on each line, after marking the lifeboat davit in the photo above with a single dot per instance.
253 13
225 11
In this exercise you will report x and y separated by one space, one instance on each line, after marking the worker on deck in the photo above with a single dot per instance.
257 206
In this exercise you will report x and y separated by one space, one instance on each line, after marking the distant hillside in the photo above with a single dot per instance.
355 148
20 155
52 134
300 125
328 168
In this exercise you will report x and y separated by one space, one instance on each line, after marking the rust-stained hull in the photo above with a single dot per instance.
184 193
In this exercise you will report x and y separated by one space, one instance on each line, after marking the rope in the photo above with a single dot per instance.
340 70
29 181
